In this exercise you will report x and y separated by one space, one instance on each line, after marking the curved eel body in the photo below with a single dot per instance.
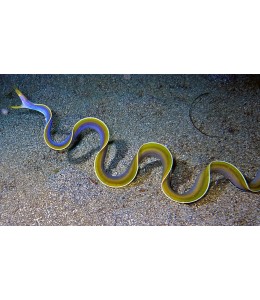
197 191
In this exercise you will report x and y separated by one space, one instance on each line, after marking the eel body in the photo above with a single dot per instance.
196 192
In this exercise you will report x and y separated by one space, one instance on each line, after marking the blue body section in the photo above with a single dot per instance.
43 110
93 126
54 143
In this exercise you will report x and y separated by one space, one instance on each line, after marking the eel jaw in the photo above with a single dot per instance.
24 100
16 106
18 92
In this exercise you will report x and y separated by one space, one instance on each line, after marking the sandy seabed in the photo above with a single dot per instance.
199 117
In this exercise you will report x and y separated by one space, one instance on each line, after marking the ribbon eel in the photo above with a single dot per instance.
196 192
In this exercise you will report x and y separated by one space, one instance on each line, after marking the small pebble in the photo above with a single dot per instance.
4 111
127 76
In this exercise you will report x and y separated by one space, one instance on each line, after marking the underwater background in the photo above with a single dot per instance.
200 118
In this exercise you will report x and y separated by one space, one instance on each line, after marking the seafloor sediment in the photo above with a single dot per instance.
200 118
